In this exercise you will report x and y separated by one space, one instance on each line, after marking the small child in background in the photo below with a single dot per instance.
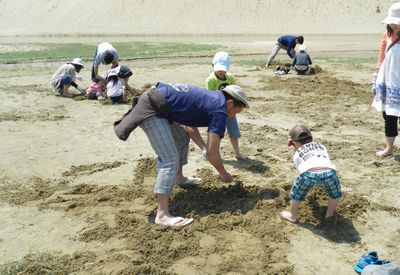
218 80
301 61
314 167
96 90
115 90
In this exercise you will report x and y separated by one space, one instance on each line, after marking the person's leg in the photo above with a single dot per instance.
234 134
274 53
117 99
292 215
332 204
330 182
159 133
299 190
391 131
65 83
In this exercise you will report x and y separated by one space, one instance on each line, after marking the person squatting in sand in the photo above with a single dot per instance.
302 61
386 80
97 89
115 90
315 169
162 112
66 76
216 81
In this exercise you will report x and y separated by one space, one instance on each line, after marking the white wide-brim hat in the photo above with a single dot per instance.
393 15
77 61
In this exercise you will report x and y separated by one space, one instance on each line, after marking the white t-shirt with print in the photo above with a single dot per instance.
311 155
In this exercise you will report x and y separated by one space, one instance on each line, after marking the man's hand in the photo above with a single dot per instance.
226 177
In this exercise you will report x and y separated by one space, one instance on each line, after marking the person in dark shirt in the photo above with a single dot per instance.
288 43
162 112
302 61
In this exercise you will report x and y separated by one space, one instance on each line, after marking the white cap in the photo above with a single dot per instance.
222 62
302 48
393 15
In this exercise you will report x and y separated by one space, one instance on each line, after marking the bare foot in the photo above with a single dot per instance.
288 216
239 156
173 221
384 153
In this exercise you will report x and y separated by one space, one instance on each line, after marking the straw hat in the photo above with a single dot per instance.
237 93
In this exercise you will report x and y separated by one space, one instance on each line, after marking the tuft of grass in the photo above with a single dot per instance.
38 263
16 53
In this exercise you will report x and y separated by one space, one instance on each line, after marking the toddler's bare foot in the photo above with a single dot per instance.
288 216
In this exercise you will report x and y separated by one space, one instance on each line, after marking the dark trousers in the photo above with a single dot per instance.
390 125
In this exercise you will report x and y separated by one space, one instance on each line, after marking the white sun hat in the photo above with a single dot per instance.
222 61
302 48
77 61
393 15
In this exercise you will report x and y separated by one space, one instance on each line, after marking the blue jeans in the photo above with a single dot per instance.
65 80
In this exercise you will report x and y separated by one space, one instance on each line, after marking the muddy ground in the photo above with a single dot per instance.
73 198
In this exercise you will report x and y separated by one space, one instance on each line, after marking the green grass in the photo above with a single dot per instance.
38 263
15 53
355 61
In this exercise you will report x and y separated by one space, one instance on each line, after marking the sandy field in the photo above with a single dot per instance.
71 189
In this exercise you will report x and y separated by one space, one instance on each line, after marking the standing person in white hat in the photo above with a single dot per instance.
386 81
66 76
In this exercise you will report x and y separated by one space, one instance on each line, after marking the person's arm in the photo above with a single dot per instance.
214 157
128 88
309 59
290 47
76 86
95 68
194 134
210 85
382 50
294 61
114 64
